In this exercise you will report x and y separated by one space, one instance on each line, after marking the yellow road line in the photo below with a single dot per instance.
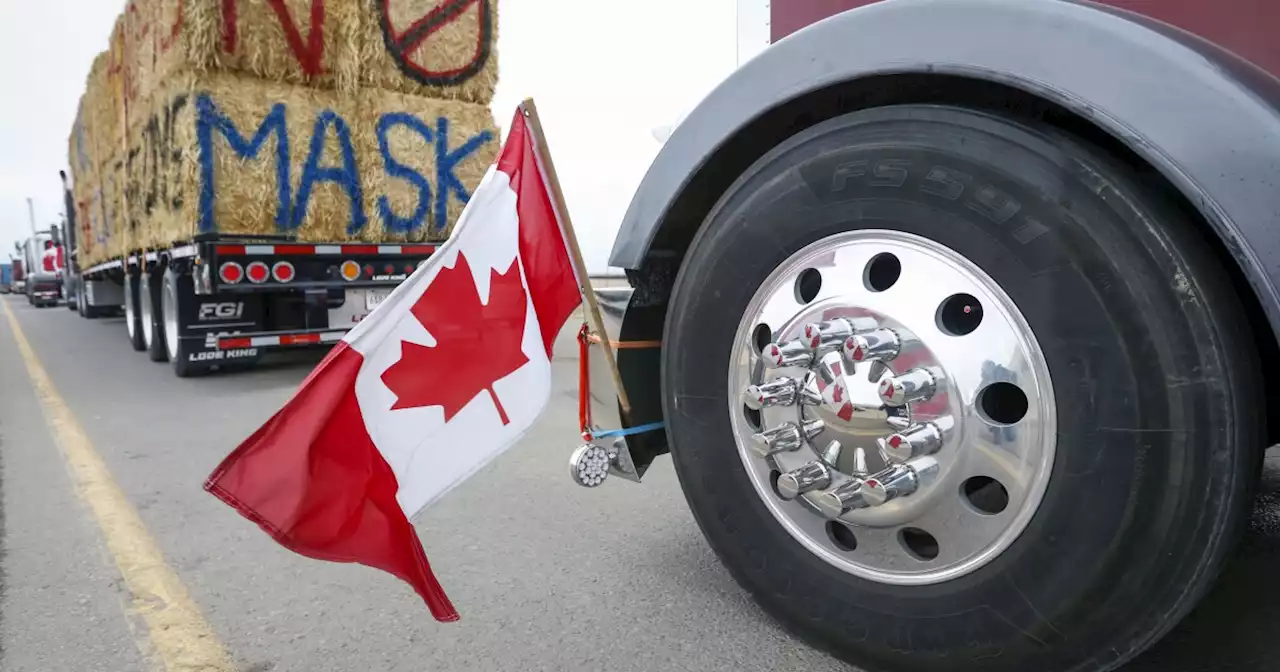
181 638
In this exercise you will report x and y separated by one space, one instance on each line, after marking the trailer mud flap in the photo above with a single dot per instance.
208 318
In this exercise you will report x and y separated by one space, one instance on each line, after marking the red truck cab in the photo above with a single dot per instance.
966 312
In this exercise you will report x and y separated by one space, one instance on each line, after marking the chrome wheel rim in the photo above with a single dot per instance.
130 310
892 407
144 312
169 314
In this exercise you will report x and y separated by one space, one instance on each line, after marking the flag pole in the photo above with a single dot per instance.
530 111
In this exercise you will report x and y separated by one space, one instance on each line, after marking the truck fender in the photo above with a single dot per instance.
1204 118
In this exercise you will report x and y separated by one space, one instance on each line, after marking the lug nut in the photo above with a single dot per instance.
780 392
831 454
898 480
830 334
881 344
785 438
791 353
914 385
831 367
809 394
859 466
812 476
839 500
914 441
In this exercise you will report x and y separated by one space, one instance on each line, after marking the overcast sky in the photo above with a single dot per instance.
604 75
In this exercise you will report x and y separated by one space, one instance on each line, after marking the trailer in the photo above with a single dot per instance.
228 206
225 302
957 318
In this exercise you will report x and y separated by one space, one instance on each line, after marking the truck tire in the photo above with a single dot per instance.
149 317
1050 382
175 286
132 318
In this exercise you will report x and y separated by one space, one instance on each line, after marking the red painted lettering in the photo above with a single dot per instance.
311 54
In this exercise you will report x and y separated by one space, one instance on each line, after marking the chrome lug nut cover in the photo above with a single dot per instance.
914 385
780 392
913 441
811 476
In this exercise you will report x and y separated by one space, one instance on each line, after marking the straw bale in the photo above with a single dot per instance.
437 48
312 42
231 185
409 194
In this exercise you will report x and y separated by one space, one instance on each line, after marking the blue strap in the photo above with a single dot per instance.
638 429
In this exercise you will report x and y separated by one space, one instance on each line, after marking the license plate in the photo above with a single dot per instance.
375 298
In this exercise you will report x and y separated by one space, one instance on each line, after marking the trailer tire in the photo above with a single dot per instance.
149 316
132 318
1153 377
175 349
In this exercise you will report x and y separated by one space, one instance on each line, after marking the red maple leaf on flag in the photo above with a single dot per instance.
476 344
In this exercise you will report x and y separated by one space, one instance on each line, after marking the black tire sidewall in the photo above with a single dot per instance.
1147 479
151 282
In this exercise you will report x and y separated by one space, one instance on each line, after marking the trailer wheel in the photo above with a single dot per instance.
949 392
176 285
132 318
149 317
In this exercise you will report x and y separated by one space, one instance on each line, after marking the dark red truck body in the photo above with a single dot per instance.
1245 27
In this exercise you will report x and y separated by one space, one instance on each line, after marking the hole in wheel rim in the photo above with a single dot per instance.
959 314
919 544
761 336
842 536
985 494
752 416
1003 403
882 272
808 285
773 483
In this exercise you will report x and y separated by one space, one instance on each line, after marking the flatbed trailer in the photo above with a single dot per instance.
220 301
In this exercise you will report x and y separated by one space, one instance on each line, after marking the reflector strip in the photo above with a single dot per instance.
282 340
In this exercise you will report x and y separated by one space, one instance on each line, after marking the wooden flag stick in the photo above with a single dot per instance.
530 112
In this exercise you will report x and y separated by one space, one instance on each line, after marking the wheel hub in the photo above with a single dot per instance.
858 400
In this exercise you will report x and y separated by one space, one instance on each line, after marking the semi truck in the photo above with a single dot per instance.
43 274
959 321
229 204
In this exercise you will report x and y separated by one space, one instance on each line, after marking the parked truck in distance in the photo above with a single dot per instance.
966 310
43 285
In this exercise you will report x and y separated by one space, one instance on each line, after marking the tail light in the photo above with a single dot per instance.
282 271
389 269
408 269
350 270
231 272
368 270
257 272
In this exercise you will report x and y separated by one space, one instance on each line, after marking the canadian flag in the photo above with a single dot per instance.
441 378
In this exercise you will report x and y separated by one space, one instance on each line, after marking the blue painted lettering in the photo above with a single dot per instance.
345 177
208 120
446 162
390 220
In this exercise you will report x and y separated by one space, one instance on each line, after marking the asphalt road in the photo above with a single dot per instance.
547 575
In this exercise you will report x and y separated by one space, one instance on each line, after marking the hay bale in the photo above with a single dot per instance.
208 159
436 48
312 42
212 161
409 195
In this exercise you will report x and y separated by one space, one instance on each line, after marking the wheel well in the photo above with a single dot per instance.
656 276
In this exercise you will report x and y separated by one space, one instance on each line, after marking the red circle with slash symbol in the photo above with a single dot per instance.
402 44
